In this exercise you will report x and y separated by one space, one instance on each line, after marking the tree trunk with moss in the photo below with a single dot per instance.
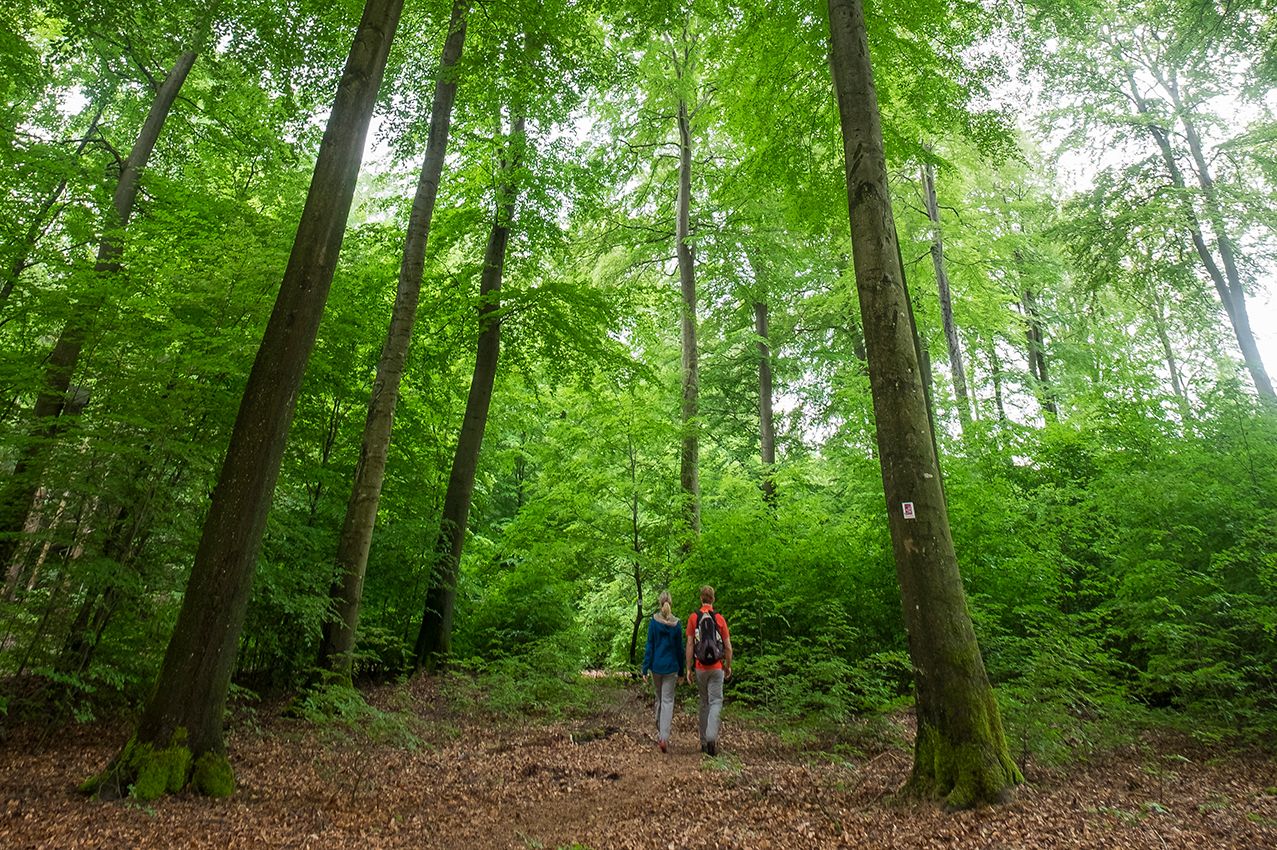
434 639
960 754
338 639
179 737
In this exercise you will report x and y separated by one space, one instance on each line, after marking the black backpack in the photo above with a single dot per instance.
708 647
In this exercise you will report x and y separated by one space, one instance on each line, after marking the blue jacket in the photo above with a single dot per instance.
664 651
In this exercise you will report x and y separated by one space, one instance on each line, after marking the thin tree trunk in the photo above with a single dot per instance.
19 495
188 702
636 545
766 424
1236 291
338 640
1157 311
946 299
995 370
1229 289
434 640
331 433
1037 352
960 752
689 468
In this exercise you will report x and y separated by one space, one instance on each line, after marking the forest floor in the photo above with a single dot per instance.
466 780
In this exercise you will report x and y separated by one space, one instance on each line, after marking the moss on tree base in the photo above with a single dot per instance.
145 772
964 775
212 776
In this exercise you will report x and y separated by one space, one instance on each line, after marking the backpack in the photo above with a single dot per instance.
708 647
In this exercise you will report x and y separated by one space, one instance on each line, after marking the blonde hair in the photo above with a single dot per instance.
665 603
707 595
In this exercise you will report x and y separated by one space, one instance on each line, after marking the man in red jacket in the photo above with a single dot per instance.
709 645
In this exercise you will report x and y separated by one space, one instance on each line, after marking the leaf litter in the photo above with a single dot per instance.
471 780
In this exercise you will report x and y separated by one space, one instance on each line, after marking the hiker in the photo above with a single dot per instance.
663 663
710 644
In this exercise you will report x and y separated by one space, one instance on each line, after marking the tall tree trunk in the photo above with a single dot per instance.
995 370
1229 288
338 640
766 424
689 468
960 752
1236 291
637 546
19 495
946 299
1037 352
188 702
434 640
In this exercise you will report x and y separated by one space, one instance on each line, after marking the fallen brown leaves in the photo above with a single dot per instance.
478 783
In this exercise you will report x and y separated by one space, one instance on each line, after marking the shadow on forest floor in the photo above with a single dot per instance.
443 776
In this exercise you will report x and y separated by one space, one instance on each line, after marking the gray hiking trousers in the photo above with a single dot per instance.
664 683
709 687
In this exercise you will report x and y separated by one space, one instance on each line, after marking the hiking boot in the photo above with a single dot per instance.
711 749
663 745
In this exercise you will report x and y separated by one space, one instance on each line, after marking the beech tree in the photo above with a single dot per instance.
361 510
960 752
179 737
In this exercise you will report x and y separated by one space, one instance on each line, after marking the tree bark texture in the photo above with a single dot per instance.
956 366
1228 281
689 466
190 694
960 752
766 423
434 640
19 495
338 638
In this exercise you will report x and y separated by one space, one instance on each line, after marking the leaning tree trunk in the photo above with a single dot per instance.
1227 281
19 495
338 640
1236 292
179 737
689 469
434 640
946 299
960 752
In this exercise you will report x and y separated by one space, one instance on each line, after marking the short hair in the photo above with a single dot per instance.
707 594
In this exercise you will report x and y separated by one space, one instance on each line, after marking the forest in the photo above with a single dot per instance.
368 368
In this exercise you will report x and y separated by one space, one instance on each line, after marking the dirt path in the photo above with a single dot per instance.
602 784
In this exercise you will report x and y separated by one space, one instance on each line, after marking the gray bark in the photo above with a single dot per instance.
689 458
190 693
434 640
338 640
956 366
960 752
766 423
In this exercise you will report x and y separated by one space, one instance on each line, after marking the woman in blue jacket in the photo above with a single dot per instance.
663 662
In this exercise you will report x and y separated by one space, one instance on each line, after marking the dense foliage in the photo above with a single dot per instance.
1113 487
